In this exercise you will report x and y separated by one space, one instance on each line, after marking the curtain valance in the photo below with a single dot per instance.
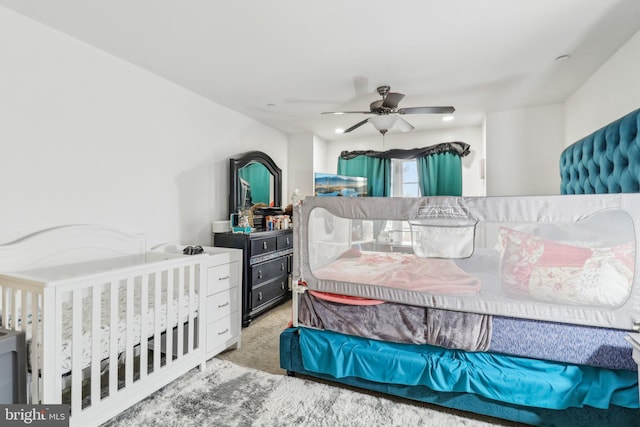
460 148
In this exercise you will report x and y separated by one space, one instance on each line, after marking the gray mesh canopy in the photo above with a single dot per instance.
565 259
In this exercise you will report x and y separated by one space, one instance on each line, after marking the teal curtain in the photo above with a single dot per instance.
376 170
260 180
440 174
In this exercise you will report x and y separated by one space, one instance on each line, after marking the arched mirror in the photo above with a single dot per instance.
254 178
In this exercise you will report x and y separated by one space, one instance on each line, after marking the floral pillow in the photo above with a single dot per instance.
561 272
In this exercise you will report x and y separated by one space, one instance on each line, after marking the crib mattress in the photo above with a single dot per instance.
135 328
165 322
401 323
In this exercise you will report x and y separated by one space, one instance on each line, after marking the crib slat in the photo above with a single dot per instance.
96 343
51 378
169 313
25 312
76 349
190 341
128 371
13 309
35 365
144 332
113 339
157 337
180 311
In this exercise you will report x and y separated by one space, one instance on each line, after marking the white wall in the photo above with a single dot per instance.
523 151
89 138
472 185
301 163
610 93
321 161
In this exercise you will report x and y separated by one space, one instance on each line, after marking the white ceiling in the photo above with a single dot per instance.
283 62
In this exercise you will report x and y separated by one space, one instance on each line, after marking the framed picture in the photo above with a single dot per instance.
339 185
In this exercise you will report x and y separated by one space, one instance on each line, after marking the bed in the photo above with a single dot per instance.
513 307
107 322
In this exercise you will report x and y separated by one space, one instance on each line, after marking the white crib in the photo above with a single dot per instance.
83 282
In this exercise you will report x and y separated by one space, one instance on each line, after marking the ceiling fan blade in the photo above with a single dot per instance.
356 126
392 100
347 112
427 110
403 125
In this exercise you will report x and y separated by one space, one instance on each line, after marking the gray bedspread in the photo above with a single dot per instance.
399 323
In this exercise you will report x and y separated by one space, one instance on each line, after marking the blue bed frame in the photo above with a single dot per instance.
291 361
607 161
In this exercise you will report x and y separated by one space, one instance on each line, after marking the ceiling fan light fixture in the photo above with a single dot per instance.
383 122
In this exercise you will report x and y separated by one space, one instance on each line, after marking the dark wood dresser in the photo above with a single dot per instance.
266 268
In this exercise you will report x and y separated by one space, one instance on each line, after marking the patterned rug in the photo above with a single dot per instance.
226 394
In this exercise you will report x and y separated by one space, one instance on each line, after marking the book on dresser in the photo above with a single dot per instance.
266 268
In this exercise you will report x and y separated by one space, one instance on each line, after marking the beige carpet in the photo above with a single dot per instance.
261 341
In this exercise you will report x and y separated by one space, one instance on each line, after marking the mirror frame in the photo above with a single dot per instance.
253 157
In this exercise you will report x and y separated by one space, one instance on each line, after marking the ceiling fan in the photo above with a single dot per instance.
386 112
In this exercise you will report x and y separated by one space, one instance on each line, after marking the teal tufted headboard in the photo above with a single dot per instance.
607 161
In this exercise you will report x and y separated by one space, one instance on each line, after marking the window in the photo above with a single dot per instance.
404 183
404 178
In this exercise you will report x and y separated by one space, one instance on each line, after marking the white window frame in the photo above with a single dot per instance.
399 231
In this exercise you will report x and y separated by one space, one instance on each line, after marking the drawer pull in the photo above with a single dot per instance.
282 266
259 274
223 305
224 278
223 332
264 245
282 285
288 241
259 296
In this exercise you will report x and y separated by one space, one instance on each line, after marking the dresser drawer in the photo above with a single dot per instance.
270 290
263 245
221 331
221 277
222 304
284 242
266 271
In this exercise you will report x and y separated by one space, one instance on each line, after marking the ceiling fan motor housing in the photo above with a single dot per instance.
376 107
383 90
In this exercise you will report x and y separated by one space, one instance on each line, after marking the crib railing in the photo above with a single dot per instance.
102 341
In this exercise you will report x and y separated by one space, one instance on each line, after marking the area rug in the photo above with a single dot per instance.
226 394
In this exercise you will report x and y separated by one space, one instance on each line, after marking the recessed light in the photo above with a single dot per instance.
447 118
271 105
339 130
562 58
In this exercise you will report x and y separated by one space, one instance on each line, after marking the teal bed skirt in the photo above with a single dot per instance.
513 388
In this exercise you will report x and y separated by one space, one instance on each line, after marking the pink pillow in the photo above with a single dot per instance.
561 272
